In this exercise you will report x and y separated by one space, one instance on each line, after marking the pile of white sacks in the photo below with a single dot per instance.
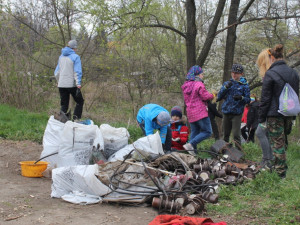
74 174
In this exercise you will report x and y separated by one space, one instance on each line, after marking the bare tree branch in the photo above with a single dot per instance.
161 26
257 19
35 31
58 22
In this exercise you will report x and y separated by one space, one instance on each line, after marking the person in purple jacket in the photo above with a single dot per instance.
196 97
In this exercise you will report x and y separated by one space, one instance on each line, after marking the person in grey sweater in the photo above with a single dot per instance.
68 73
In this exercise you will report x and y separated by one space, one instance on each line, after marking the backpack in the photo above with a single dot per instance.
288 100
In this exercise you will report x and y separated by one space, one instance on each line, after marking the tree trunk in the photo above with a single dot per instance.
231 39
211 33
190 33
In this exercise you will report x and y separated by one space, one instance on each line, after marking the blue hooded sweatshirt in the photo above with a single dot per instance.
68 71
231 106
147 113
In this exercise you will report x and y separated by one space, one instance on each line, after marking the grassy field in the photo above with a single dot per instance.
267 199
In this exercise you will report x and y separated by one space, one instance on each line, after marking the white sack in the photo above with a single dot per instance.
76 143
114 138
51 140
77 178
150 144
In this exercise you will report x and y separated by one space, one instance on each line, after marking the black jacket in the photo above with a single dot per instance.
252 116
272 87
212 110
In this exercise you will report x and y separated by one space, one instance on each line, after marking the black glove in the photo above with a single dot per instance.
228 84
237 97
77 92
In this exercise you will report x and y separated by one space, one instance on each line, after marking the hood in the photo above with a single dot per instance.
242 80
187 87
67 51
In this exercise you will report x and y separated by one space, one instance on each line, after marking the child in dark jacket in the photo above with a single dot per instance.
252 118
212 113
180 132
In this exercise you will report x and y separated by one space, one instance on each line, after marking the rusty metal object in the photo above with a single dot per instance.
164 204
204 175
195 205
210 197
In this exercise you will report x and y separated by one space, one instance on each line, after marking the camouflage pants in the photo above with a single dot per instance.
276 128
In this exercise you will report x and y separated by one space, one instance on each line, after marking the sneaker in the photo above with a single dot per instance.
190 149
188 146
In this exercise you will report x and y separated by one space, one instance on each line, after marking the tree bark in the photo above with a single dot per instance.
211 33
231 39
190 33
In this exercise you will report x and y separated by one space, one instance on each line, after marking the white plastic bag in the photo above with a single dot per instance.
114 138
76 143
150 144
77 178
51 141
289 101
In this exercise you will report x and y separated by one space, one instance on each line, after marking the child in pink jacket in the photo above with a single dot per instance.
196 97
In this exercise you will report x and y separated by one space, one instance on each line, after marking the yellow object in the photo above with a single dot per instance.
29 169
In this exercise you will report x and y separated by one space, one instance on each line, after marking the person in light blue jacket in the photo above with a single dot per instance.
153 116
68 74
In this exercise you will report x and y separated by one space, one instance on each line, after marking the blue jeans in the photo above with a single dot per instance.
201 130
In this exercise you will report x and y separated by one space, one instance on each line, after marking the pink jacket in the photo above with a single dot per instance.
196 97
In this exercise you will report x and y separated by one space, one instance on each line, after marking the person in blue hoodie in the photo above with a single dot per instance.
236 95
68 74
151 117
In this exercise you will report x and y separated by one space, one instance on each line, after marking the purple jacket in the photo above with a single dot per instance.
196 97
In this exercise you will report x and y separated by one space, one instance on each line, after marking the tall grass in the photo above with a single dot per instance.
21 125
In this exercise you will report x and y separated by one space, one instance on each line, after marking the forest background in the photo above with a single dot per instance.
136 52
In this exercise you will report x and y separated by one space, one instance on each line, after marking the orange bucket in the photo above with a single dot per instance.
29 169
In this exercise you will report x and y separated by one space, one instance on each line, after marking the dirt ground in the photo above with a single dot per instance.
27 200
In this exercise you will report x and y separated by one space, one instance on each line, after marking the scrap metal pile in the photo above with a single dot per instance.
173 183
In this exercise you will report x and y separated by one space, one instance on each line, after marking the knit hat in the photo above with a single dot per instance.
176 111
237 68
193 71
72 44
163 118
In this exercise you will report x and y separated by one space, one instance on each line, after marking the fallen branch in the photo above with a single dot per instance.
151 168
13 218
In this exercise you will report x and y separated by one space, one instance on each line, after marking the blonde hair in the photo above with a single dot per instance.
263 61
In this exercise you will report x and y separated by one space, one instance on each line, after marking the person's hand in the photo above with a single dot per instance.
237 97
228 84
176 139
79 86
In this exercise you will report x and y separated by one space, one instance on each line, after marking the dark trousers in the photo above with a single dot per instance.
168 142
214 127
232 123
65 99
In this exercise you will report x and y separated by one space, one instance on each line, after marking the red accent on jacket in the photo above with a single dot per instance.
183 134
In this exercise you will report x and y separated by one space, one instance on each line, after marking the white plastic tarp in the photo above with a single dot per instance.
150 144
80 178
78 197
